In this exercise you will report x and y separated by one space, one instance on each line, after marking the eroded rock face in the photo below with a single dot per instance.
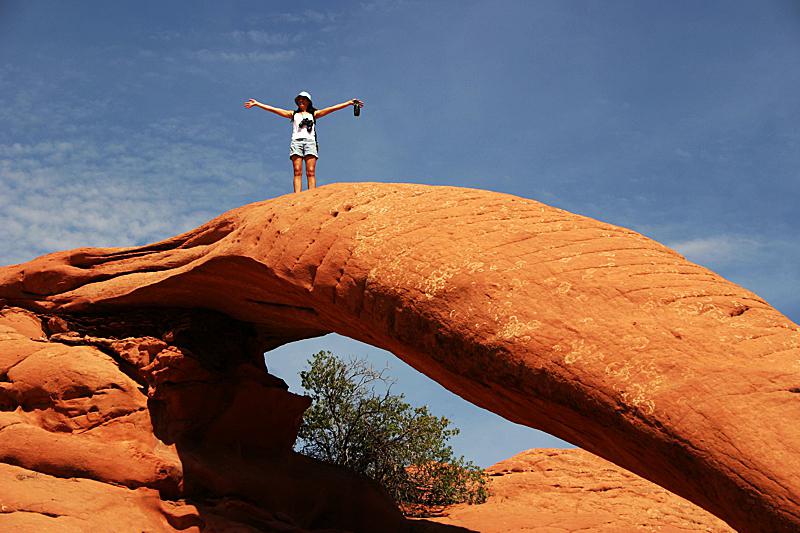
177 429
588 331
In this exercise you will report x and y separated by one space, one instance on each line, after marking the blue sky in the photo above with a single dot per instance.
122 123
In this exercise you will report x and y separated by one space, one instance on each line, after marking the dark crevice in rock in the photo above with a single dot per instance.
212 337
43 513
111 418
276 304
105 346
30 400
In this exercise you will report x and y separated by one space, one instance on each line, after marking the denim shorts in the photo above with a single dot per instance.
303 148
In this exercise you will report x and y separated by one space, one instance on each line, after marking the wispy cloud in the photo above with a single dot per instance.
267 38
718 249
238 57
768 265
308 16
131 188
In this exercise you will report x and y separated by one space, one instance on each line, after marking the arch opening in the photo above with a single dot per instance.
485 438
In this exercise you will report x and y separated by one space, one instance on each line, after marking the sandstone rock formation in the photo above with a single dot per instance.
588 331
161 421
572 491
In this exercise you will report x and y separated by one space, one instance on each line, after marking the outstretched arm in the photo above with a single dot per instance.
277 110
322 112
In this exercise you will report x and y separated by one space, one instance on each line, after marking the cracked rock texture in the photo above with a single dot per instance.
585 330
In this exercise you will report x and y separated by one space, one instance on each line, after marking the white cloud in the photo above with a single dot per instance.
266 37
718 249
309 16
125 188
238 57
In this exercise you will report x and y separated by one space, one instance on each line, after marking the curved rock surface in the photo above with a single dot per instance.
171 431
573 491
585 330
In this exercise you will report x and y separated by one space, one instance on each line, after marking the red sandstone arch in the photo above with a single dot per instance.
585 330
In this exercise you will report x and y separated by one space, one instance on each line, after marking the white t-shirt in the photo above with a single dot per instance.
306 131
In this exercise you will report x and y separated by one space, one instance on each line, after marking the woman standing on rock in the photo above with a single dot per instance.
304 145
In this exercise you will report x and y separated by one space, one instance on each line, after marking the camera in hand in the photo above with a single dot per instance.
357 108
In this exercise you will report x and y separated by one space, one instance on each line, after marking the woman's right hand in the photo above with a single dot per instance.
250 103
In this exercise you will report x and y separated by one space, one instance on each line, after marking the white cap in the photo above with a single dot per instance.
303 94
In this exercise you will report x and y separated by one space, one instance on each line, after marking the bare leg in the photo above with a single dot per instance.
311 171
297 165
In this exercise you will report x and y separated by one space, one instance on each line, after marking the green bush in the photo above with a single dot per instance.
378 434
